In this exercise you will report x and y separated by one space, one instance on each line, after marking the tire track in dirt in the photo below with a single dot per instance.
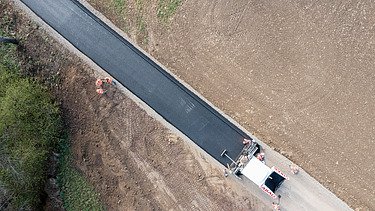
165 171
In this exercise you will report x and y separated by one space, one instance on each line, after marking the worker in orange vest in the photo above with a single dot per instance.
108 80
276 205
260 156
294 168
101 82
101 91
98 82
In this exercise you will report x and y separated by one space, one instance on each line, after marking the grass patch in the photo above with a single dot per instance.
119 9
76 192
8 55
119 6
128 18
167 8
29 129
141 24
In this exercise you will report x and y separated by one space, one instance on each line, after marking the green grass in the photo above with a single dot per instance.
29 129
141 23
119 6
8 54
142 30
76 192
167 8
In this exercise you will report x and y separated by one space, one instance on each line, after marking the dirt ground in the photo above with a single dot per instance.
296 74
133 161
299 75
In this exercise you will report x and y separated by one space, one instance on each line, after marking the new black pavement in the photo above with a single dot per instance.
138 73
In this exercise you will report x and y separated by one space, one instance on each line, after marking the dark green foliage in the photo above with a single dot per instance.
167 8
29 127
8 57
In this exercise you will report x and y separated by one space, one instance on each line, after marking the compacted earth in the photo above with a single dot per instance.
133 161
298 74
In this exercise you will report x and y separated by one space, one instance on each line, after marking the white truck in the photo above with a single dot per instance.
247 164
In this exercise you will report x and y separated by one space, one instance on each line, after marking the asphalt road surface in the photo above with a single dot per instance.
142 76
174 102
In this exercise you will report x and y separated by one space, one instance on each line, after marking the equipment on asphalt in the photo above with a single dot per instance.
247 164
224 153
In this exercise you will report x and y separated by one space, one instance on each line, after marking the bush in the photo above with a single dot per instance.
29 128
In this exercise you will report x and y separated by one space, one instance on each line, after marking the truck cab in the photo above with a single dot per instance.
248 165
268 179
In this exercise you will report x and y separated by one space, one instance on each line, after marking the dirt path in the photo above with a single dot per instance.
297 75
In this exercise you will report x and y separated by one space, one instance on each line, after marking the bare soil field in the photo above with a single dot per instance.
133 161
299 75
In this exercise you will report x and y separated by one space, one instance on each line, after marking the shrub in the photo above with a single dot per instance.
29 128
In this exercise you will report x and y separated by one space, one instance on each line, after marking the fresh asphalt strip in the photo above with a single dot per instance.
142 76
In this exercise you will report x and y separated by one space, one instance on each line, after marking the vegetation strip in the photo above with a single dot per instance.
76 192
31 126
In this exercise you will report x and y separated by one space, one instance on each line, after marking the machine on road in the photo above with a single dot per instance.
247 164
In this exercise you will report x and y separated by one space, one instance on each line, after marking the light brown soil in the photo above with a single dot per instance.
298 75
133 161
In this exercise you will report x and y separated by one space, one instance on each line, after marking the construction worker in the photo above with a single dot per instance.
294 168
275 206
101 91
225 173
244 159
246 142
260 156
100 84
108 80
